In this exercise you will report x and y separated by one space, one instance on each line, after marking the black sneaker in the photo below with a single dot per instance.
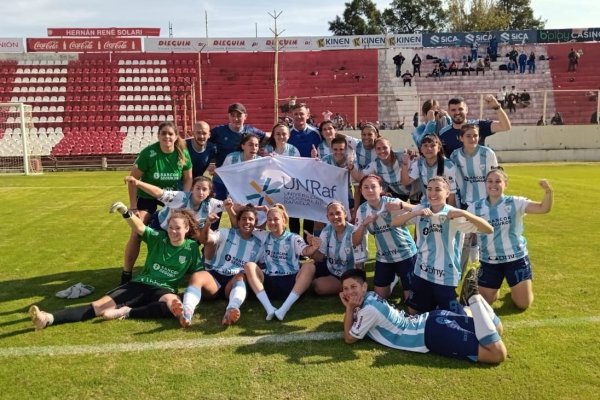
470 286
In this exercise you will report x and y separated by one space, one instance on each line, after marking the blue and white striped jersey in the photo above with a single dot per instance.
507 243
472 171
364 157
177 200
233 251
421 172
339 252
388 326
389 174
288 150
280 255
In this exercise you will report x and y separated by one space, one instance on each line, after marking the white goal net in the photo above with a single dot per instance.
21 146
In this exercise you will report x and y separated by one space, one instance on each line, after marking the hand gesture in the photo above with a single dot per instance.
425 212
544 184
228 203
118 207
313 152
130 180
491 101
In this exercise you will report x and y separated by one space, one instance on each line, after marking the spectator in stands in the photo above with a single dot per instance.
165 164
416 119
511 102
493 48
466 67
511 66
416 62
436 73
453 68
487 63
407 78
474 49
227 139
398 61
501 96
522 62
513 55
458 110
443 66
531 63
594 118
480 67
556 119
573 60
304 137
524 98
400 125
541 121
202 152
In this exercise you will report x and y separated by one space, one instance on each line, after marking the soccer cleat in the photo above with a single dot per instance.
470 286
116 313
40 319
118 207
182 312
232 315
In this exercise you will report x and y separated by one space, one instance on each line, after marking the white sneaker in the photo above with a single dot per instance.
40 319
116 313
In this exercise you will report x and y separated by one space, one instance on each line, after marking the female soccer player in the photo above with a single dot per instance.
441 332
431 163
165 164
365 148
336 253
226 252
277 143
504 254
439 241
282 277
328 133
153 292
396 248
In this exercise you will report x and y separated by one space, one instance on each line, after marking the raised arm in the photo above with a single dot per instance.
481 224
187 180
137 174
503 122
546 204
152 190
405 179
132 220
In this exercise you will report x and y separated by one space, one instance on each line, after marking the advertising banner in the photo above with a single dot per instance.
95 32
11 45
568 35
467 38
83 45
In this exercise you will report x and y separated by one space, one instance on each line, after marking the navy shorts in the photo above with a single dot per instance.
386 272
220 190
222 281
427 296
136 294
322 271
278 287
148 205
451 335
492 275
155 223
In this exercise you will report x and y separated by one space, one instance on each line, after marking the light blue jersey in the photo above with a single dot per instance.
430 127
393 243
364 157
472 171
439 240
281 255
233 251
388 326
324 149
419 170
235 158
288 150
177 200
339 252
507 243
328 159
389 174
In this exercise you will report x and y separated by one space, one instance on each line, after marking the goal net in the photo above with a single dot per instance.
21 147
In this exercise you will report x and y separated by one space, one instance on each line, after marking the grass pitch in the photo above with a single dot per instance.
57 232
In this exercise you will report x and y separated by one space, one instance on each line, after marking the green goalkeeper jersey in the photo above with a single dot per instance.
161 169
166 264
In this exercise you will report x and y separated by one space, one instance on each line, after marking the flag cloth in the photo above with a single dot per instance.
303 185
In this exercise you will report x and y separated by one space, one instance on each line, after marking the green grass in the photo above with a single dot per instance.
57 232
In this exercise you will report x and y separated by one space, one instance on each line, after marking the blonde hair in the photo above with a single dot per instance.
280 208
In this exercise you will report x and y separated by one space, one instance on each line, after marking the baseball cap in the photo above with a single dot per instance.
239 107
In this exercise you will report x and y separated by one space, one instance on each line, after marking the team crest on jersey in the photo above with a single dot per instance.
182 259
347 250
156 175
152 153
508 208
443 219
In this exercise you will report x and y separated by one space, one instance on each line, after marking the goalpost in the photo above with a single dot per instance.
20 146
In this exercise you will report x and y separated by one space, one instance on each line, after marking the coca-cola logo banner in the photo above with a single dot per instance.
83 45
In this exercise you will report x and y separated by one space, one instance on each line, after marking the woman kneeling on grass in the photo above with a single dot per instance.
503 254
282 278
153 292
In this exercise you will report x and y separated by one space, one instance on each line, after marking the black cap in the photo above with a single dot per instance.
239 107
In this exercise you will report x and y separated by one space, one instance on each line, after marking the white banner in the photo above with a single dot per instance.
303 185
11 45
301 43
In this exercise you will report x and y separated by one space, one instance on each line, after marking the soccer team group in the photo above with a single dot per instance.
451 191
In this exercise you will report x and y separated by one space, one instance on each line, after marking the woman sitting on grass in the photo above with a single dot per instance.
153 292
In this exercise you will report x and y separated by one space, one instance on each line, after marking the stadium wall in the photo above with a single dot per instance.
527 143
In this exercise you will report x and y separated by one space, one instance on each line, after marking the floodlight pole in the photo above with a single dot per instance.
276 34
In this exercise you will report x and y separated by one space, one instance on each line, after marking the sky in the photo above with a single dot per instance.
226 18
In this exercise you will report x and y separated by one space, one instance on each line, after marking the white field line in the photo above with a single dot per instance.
240 340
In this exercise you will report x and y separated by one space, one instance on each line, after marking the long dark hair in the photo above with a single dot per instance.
441 158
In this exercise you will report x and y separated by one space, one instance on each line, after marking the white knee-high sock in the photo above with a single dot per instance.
192 297
491 313
237 295
287 304
266 303
485 329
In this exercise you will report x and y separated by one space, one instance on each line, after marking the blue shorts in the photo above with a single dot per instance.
492 275
451 335
386 272
220 190
136 294
148 205
427 296
155 223
222 281
278 287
